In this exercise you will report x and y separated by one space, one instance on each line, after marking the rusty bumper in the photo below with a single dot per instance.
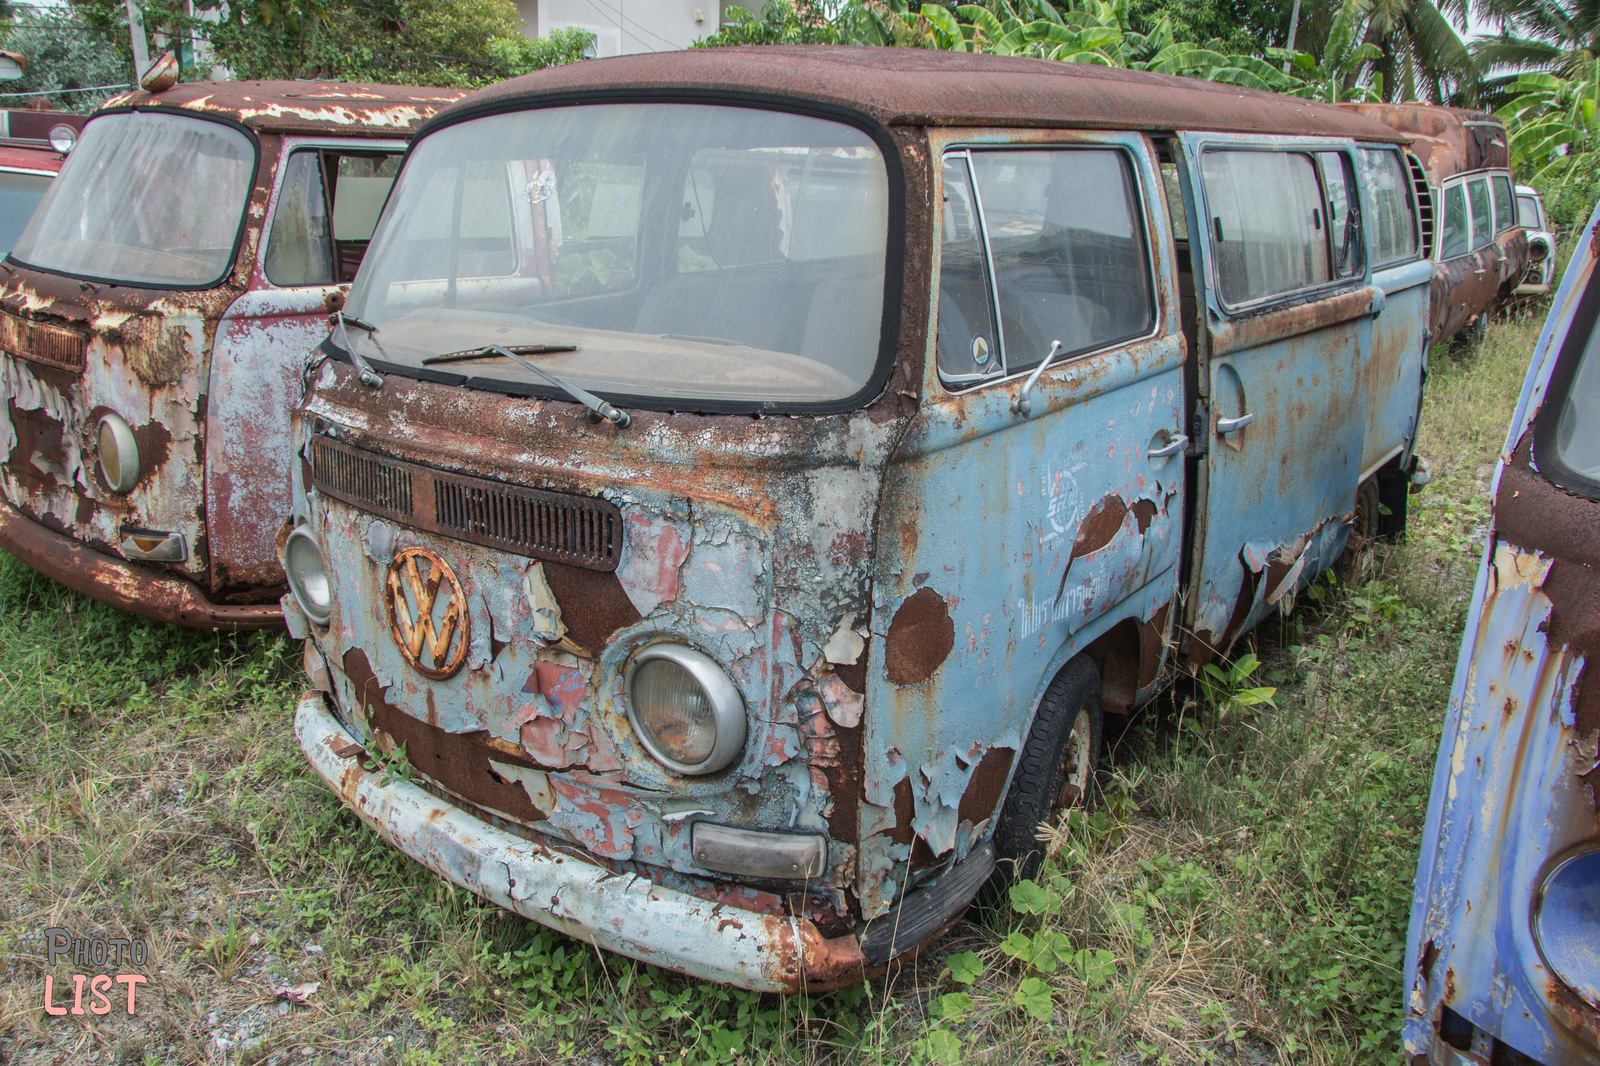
123 584
623 913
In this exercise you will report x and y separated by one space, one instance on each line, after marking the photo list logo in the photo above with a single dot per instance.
101 953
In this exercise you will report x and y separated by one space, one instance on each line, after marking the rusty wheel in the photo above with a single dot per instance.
1355 562
1055 770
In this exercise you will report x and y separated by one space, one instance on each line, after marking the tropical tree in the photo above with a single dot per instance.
67 57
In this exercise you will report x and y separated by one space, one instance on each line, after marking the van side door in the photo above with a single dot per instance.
1397 365
324 203
1282 414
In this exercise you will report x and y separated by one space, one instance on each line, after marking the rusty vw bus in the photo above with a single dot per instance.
1481 247
1501 963
154 320
746 477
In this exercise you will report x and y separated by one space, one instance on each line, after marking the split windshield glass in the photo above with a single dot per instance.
684 252
145 199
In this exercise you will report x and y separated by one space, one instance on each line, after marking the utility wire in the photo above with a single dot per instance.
56 92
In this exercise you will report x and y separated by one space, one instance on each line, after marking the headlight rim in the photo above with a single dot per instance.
319 615
727 706
127 446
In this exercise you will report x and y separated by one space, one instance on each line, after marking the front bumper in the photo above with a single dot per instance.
121 584
623 913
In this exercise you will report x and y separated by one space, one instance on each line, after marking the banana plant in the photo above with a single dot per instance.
1334 76
1551 121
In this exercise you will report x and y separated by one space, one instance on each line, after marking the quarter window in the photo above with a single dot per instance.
1505 216
1528 213
327 207
1268 223
1482 221
1454 237
1344 220
1062 237
1394 223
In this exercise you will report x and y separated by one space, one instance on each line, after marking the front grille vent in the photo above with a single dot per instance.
579 530
39 342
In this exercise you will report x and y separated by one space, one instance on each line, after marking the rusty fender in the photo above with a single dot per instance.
623 913
123 585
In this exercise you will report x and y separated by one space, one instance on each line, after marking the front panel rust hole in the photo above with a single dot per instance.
921 637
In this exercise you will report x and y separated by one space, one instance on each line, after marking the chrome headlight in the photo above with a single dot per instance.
685 709
308 575
63 137
119 455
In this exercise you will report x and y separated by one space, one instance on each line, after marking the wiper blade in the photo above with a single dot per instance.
369 377
620 419
488 353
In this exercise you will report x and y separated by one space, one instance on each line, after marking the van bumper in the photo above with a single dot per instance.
623 913
134 589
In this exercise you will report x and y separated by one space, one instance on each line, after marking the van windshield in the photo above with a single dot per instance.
679 253
145 199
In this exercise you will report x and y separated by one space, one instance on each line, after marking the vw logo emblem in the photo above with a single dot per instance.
427 612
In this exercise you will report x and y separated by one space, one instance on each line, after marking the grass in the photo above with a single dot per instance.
1239 896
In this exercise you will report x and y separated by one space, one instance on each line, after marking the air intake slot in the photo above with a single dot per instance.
39 342
580 530
1424 195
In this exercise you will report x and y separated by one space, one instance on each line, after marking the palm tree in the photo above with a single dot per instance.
1421 55
1555 36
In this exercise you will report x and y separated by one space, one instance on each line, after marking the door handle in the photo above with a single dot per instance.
1179 443
1229 425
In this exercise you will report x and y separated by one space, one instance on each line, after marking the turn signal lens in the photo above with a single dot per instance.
119 455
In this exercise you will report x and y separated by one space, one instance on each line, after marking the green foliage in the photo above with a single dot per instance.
64 51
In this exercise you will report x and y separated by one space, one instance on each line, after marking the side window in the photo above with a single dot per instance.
1394 222
1175 210
1453 235
306 245
1505 216
1482 213
1068 249
1344 214
1063 234
967 342
1267 223
299 248
1528 213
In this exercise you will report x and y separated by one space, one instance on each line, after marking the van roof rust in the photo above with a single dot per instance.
311 107
920 87
1449 140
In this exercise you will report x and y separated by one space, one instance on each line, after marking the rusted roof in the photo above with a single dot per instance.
348 108
1448 140
917 87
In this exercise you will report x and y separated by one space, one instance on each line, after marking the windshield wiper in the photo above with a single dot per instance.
485 353
620 419
369 377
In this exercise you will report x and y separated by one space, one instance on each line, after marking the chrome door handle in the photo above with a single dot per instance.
1179 443
1229 425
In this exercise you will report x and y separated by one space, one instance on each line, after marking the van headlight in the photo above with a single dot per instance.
1566 920
119 454
308 575
685 709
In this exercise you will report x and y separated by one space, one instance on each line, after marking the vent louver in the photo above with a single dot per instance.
39 342
1424 197
579 530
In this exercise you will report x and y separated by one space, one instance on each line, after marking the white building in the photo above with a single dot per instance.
623 27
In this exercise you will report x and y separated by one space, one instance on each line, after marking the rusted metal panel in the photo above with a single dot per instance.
1448 140
916 87
349 109
1512 791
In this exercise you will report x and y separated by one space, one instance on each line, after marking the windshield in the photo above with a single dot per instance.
1578 430
19 195
684 252
145 199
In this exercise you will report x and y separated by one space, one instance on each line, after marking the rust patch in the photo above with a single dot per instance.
1152 638
920 638
593 604
157 351
1144 512
38 436
458 761
854 675
1101 524
155 445
987 785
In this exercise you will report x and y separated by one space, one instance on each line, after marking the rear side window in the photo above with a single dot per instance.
1269 224
1482 208
1344 219
1505 215
1528 213
1394 221
1062 237
1453 236
326 210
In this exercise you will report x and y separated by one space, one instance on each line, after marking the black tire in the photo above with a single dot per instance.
1394 489
1355 562
1040 787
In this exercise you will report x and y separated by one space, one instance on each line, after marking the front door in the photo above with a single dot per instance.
1288 315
